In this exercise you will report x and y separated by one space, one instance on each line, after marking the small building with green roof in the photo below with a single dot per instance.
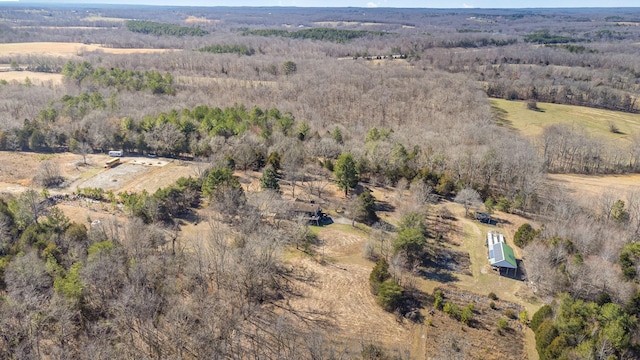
500 254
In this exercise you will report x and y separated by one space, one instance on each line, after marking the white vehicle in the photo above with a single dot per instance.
116 153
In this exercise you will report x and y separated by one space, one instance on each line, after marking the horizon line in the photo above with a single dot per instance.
89 4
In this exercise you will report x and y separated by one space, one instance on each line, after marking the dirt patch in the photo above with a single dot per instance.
158 175
12 188
114 178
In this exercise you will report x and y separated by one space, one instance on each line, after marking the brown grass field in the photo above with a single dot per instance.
593 186
199 20
66 49
93 18
36 78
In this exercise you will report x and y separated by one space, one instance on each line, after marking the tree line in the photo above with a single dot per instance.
321 34
120 79
159 29
228 49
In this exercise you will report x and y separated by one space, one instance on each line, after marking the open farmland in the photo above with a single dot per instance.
66 50
36 78
593 187
595 122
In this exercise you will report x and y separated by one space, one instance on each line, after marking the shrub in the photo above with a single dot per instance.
613 128
504 204
492 296
439 298
92 193
524 235
48 174
510 314
411 241
390 295
493 306
545 334
524 317
365 208
452 310
467 315
372 352
541 315
503 323
603 298
379 274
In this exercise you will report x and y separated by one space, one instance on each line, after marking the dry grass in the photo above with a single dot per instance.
339 294
36 78
199 20
66 49
94 18
593 186
595 122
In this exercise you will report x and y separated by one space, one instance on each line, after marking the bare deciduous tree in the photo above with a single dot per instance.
468 197
48 174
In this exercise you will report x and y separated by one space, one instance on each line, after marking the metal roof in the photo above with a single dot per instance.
503 256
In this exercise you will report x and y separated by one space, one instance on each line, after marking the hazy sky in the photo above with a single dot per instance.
374 3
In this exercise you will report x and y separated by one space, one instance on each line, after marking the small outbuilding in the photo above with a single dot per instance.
483 217
308 211
500 254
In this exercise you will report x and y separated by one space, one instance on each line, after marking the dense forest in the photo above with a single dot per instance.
384 98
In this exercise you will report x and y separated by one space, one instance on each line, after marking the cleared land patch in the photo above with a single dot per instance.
199 20
114 178
93 18
36 78
67 49
595 122
594 186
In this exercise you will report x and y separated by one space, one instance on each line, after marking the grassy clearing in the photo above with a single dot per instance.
592 187
94 18
67 49
596 122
